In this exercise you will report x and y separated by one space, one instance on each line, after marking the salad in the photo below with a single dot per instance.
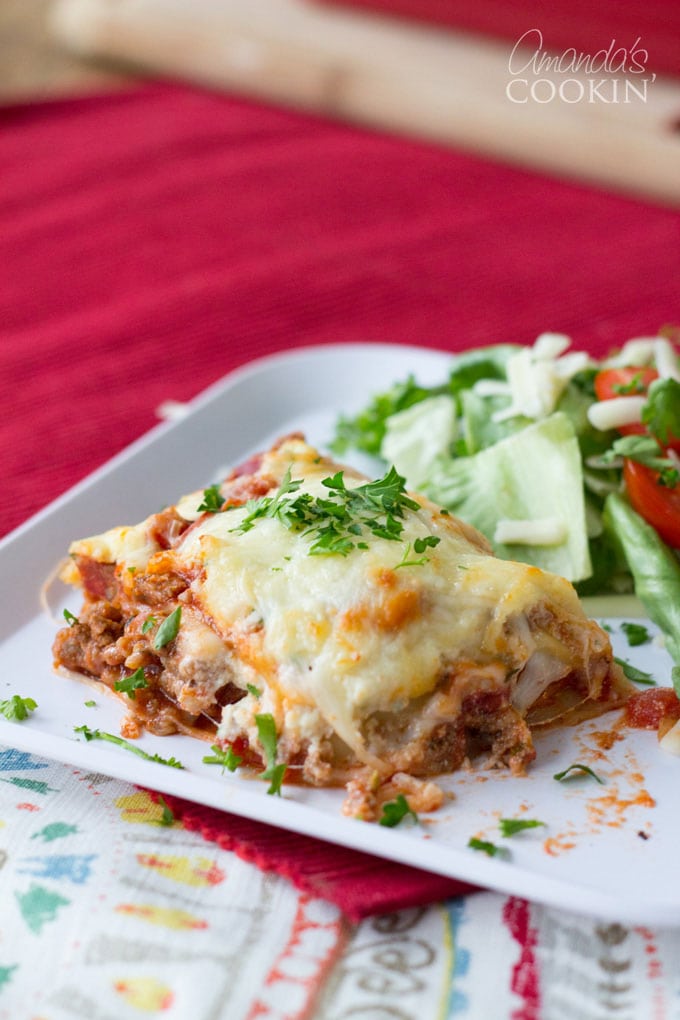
562 461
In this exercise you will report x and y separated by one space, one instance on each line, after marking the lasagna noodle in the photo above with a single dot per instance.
381 659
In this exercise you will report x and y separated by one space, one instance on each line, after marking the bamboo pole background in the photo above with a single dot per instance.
424 82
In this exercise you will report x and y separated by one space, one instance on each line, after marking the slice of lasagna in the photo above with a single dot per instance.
344 628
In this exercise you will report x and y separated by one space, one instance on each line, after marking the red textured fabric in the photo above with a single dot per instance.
152 241
653 25
360 884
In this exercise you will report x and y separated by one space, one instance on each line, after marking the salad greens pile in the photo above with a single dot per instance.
519 442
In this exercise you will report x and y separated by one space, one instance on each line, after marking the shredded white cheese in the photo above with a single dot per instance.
536 379
491 388
549 346
570 364
542 531
639 351
666 361
612 414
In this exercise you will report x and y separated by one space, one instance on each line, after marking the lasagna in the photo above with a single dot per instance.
374 633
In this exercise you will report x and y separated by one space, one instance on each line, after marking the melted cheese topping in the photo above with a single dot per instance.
129 545
335 638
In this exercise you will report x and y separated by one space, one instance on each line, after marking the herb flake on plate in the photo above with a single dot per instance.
111 738
16 708
511 826
577 769
395 811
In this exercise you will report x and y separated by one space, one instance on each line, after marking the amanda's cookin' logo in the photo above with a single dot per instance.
617 74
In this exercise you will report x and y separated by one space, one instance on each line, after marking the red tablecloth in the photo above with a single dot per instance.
152 241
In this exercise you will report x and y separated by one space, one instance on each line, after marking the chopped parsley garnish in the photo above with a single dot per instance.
633 673
148 624
491 849
90 704
113 739
661 413
576 769
336 525
271 506
419 546
167 631
508 827
636 633
16 708
212 500
70 618
266 731
394 812
511 826
129 684
226 758
255 691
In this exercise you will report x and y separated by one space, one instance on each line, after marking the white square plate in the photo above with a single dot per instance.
607 850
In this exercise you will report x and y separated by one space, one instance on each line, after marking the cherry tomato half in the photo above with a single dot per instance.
659 505
633 381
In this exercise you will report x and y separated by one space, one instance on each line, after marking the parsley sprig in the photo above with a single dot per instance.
266 731
16 708
276 506
508 827
633 673
129 684
395 811
487 847
636 633
113 739
212 500
577 769
226 758
168 630
419 546
511 826
336 525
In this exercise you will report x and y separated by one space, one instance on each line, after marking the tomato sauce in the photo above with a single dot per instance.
646 710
